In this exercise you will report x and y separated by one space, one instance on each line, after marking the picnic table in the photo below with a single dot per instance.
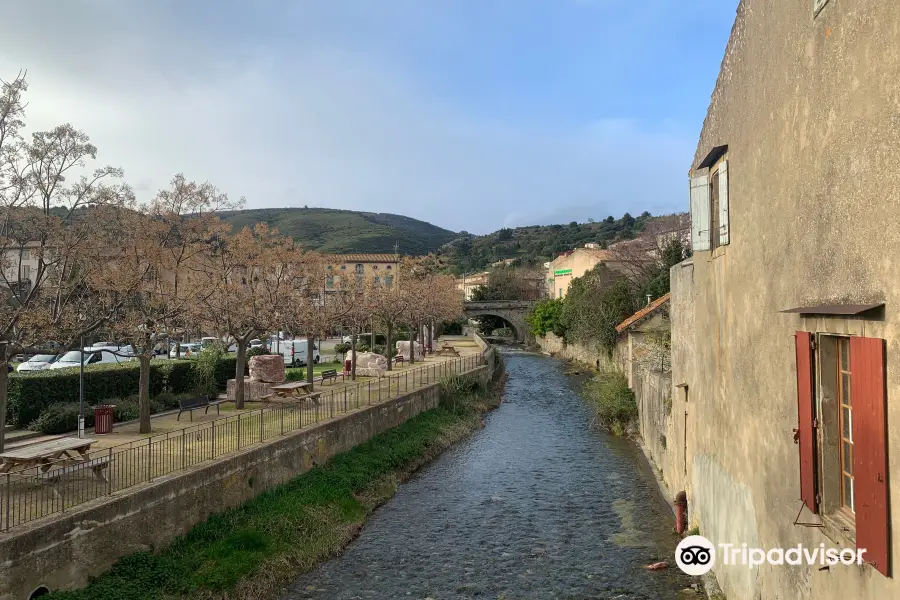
44 455
447 349
292 389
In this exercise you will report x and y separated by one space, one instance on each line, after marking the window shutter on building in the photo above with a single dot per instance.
805 419
870 473
700 213
723 203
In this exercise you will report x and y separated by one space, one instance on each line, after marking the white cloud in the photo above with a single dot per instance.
318 123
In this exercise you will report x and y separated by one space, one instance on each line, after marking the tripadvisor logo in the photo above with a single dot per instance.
695 555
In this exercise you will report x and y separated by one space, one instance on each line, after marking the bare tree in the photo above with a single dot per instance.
167 240
56 233
245 274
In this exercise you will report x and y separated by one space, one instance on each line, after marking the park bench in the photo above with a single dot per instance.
192 404
398 359
329 374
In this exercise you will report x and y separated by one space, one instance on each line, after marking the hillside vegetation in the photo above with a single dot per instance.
343 231
532 246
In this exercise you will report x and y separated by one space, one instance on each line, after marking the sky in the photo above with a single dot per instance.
470 114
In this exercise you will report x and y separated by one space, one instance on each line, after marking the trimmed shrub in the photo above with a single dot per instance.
30 393
61 417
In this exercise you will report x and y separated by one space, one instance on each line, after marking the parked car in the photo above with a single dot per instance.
347 339
294 352
92 357
186 350
38 362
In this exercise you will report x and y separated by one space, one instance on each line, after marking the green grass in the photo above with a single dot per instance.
250 551
613 401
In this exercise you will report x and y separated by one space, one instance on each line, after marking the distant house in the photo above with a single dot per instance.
469 283
643 339
576 263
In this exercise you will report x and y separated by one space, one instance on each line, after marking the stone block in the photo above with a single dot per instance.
268 368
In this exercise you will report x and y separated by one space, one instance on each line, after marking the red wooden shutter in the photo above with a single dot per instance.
870 474
805 435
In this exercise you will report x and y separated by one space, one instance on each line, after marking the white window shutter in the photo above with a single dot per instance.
700 213
723 203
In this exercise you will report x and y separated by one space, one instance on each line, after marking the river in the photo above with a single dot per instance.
535 505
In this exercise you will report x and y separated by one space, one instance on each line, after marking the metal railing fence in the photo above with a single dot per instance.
29 494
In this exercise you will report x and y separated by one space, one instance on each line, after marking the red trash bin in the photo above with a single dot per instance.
348 365
103 418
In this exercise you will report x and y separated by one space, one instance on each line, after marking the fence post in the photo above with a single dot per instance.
239 431
149 459
282 418
109 472
7 500
213 437
183 448
261 425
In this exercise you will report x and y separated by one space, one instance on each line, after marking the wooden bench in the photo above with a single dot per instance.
192 404
329 374
96 465
398 359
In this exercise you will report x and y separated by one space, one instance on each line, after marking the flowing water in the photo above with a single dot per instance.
535 505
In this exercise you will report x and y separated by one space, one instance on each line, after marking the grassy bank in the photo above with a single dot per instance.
253 550
613 402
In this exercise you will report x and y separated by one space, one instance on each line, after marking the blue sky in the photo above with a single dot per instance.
469 114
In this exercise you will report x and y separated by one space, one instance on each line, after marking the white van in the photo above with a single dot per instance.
294 352
91 357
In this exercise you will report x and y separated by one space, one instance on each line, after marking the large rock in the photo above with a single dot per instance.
253 390
368 360
268 368
403 350
369 364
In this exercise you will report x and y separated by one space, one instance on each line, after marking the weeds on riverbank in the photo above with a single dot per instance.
253 550
613 401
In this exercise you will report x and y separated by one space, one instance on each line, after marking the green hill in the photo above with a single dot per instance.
343 231
532 246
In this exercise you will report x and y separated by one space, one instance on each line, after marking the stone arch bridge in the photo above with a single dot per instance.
511 311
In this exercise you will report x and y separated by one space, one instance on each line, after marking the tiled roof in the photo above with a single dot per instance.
642 313
365 258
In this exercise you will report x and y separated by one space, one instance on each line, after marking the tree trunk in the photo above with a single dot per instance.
4 376
310 346
353 356
412 344
144 393
372 345
387 351
431 336
239 372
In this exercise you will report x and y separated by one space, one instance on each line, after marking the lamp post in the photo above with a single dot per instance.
81 382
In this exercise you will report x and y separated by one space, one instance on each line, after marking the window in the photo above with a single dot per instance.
709 204
377 280
359 269
26 271
560 293
388 280
26 255
842 438
329 281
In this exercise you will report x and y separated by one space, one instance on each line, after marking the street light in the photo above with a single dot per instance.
81 382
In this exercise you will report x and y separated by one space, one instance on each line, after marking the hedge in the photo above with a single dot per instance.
30 393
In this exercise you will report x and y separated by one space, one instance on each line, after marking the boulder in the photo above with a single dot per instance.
253 390
403 350
268 368
368 360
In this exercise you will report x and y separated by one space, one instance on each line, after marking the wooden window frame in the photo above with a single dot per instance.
714 235
843 370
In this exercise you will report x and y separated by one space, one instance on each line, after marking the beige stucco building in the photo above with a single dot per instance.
575 263
469 283
785 420
346 269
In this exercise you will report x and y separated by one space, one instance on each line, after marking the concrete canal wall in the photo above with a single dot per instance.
62 551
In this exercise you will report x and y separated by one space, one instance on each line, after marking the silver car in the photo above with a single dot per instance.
38 362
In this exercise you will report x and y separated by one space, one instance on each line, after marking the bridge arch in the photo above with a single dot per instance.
513 312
